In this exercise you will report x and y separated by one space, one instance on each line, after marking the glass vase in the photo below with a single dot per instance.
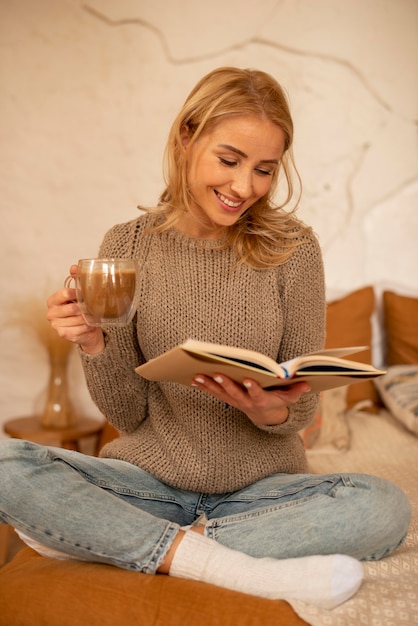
58 412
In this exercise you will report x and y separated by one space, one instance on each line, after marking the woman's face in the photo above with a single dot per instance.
229 168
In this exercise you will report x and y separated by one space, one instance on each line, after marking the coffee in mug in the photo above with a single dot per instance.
106 290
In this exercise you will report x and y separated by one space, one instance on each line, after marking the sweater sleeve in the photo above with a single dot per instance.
118 392
303 294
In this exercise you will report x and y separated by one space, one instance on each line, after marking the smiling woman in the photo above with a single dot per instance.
209 481
240 103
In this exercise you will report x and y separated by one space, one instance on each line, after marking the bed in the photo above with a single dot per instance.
361 428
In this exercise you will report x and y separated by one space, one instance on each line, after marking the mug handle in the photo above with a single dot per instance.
67 282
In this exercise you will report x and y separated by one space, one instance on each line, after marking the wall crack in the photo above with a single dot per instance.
255 40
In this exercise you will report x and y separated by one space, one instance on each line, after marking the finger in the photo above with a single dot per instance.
220 386
69 313
208 383
73 321
61 297
292 394
286 396
75 334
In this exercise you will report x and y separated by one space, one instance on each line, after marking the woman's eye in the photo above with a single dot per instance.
263 172
226 162
259 170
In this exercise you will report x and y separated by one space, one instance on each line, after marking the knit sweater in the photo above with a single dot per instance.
190 289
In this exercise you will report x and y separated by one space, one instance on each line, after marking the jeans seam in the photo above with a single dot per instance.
237 517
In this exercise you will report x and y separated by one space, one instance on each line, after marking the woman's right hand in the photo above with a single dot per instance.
65 317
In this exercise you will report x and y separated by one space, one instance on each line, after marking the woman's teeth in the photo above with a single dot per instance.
233 205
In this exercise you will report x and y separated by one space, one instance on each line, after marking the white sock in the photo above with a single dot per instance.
324 581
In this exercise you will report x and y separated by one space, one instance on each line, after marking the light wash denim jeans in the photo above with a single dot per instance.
110 511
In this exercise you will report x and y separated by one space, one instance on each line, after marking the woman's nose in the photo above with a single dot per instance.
242 184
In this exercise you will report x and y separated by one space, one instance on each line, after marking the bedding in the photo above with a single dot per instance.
342 438
35 590
382 446
398 389
330 428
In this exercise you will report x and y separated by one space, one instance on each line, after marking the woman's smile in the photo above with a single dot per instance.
228 203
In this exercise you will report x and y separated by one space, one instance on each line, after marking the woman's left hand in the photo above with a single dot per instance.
263 407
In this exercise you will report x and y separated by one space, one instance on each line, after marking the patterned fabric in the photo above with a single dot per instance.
389 594
399 391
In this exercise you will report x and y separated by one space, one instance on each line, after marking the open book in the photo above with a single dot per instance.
324 369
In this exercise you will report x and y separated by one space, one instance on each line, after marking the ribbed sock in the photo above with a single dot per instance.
325 581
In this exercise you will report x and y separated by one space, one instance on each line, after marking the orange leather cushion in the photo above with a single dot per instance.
40 591
401 327
349 324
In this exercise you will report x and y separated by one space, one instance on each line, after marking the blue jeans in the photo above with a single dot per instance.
111 511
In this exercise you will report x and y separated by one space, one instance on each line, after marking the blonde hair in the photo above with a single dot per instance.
266 234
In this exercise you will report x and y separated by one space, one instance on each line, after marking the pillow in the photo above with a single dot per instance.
310 433
401 327
329 430
399 391
41 591
349 324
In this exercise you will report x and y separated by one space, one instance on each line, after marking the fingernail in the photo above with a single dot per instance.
200 380
247 385
218 379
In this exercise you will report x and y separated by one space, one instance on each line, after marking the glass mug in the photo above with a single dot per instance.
106 290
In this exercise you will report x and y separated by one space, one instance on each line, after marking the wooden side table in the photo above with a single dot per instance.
30 428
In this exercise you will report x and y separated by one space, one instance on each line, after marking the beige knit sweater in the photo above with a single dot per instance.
188 289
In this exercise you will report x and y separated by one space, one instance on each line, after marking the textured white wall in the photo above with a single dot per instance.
89 90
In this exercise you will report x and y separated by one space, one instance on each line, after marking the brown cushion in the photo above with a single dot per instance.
401 328
349 324
36 590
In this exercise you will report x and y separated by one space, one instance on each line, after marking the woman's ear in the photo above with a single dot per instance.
185 135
